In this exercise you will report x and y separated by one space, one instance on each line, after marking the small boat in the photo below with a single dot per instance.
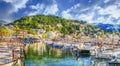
115 61
102 56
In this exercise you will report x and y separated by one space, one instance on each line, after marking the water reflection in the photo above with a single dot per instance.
58 57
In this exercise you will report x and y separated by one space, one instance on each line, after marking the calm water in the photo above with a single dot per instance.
59 62
56 57
70 61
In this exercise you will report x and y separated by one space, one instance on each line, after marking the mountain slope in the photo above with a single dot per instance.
109 27
54 23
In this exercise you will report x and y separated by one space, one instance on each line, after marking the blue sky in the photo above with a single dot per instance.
92 11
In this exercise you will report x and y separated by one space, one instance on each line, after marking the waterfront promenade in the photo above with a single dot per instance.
10 52
10 49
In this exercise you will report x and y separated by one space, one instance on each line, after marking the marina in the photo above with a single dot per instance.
59 32
76 51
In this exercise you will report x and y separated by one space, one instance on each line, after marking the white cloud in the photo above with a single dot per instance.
118 21
77 9
17 4
92 14
44 9
86 17
38 8
10 1
96 13
12 6
104 20
66 14
51 10
20 4
74 12
106 1
111 10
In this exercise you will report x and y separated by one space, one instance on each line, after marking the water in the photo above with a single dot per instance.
59 62
57 57
70 61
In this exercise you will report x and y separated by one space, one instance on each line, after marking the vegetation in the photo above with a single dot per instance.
41 52
54 23
5 31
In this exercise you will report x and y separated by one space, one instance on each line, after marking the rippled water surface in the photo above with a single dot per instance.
59 62
57 57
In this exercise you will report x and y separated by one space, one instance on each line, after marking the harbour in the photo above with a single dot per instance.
59 32
33 51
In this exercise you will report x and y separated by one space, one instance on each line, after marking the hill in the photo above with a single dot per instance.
109 27
57 24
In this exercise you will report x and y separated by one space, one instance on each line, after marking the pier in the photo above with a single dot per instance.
11 50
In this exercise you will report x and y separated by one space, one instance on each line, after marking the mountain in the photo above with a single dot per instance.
56 24
109 27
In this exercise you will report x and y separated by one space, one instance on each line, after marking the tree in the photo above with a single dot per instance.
5 31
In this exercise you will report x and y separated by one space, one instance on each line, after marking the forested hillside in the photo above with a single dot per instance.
54 23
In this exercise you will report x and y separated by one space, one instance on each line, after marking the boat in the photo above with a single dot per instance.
115 60
102 56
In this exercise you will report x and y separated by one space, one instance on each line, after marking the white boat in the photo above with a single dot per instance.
104 55
115 60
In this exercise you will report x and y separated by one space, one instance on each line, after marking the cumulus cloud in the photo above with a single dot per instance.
42 8
17 4
95 14
10 7
51 9
113 12
86 17
106 1
38 9
11 1
93 11
38 6
67 14
77 12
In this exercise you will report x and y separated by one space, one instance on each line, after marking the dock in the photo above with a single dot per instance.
10 52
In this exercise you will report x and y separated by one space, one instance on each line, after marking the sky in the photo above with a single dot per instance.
92 11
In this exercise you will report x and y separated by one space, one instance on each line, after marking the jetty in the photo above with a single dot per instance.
11 50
